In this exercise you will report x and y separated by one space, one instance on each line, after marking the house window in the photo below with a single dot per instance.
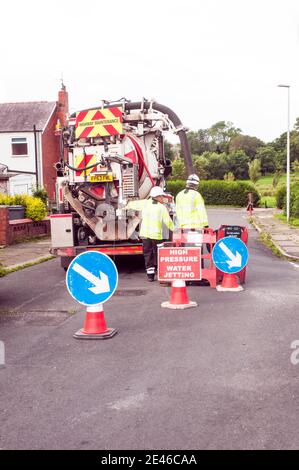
19 146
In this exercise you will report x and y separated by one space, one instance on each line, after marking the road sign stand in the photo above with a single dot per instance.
208 240
239 231
229 284
92 279
95 326
230 255
179 299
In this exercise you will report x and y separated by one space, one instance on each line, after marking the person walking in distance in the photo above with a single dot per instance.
190 207
154 215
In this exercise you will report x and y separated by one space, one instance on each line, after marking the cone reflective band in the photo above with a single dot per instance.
99 123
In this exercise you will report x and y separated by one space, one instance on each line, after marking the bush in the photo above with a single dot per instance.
294 209
41 193
280 197
35 209
175 186
294 199
214 192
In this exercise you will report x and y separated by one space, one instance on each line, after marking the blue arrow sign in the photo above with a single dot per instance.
91 278
230 255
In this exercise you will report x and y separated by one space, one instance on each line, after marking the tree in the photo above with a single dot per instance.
221 133
269 158
168 150
178 169
295 166
280 144
254 170
237 163
246 143
200 166
216 165
198 141
277 175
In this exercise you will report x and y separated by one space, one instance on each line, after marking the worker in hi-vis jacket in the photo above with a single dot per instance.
154 215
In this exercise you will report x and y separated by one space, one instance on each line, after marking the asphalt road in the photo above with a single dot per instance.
218 376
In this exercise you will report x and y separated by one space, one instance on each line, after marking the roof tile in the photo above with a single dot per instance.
18 117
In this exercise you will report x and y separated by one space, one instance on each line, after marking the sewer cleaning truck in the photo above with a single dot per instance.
110 155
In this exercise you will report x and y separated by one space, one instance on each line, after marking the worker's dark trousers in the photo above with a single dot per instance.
150 253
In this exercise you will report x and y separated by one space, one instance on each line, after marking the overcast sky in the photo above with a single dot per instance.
208 60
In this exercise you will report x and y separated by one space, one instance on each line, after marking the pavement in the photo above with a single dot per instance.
285 238
17 255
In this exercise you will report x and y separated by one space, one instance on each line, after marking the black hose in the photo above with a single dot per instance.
83 168
174 119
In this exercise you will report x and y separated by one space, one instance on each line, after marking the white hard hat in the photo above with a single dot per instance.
156 191
192 179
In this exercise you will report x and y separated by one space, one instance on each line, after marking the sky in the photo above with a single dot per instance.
208 60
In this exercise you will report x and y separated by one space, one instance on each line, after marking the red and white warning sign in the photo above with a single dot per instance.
179 263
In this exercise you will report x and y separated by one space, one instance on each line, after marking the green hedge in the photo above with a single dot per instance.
225 193
294 199
35 209
294 209
280 197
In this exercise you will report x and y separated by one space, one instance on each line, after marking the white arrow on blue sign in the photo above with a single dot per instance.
91 278
230 255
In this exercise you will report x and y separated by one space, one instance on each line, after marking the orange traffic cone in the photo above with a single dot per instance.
229 284
178 297
95 325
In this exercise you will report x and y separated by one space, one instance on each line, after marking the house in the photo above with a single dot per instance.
28 144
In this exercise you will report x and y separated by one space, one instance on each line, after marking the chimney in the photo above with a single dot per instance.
62 105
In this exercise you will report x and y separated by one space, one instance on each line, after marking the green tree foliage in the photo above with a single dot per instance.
41 193
269 158
229 176
277 175
200 164
295 166
237 163
199 141
254 170
168 150
280 144
248 144
224 138
221 133
294 199
216 166
178 169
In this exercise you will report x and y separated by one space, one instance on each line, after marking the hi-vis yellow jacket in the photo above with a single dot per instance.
190 209
154 215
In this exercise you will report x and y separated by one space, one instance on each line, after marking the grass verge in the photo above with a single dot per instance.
4 271
294 221
266 239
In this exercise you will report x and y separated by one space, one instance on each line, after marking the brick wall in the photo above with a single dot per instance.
16 230
4 223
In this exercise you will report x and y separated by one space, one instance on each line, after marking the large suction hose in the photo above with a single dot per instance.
174 119
176 122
